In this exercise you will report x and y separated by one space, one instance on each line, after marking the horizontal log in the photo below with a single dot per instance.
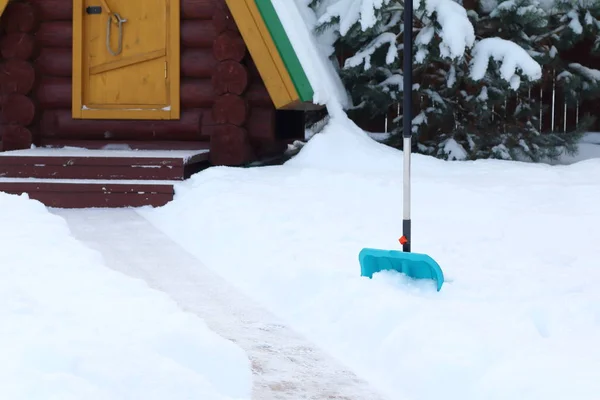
197 63
60 124
15 137
124 145
54 62
230 109
229 45
17 109
18 45
197 33
197 93
53 10
16 76
261 124
54 93
230 77
223 20
19 17
258 96
197 9
229 145
55 34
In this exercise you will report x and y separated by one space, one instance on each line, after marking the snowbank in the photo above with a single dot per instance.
589 148
519 316
73 329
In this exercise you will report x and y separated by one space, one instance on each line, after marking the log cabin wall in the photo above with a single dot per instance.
223 99
17 76
243 113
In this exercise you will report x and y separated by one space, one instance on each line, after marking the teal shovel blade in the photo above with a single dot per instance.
413 265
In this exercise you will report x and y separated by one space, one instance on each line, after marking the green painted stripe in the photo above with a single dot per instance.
286 50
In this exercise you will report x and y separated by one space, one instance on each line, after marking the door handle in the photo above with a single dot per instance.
94 10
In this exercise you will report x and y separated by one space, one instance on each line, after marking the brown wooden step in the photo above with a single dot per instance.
102 164
61 193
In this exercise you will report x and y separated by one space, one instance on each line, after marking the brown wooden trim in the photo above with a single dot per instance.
106 172
103 187
173 162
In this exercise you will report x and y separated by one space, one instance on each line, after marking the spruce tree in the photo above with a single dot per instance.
463 115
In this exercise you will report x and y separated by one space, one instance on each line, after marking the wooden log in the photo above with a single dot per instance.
197 9
54 62
19 17
16 76
125 144
230 109
17 109
197 63
258 96
229 45
53 10
18 45
230 77
60 124
54 93
196 93
223 20
197 33
55 34
15 137
261 124
229 145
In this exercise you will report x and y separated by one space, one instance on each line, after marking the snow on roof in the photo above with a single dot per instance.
312 52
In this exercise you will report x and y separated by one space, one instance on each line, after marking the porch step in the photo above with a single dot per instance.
83 178
57 163
80 193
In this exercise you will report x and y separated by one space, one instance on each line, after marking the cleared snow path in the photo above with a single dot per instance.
284 364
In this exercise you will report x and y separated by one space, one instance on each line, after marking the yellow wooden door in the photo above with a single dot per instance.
126 59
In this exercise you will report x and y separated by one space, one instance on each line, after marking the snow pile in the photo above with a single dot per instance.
73 329
588 148
343 146
519 315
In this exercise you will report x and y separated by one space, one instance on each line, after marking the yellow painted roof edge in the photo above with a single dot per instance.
3 4
270 66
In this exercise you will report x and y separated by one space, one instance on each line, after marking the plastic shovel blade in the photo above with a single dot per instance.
413 265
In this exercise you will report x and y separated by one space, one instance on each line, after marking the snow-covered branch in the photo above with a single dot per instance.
364 56
513 59
457 33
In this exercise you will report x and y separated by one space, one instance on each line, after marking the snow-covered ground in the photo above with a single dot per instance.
519 315
73 329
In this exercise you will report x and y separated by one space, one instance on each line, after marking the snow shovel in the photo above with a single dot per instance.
413 265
